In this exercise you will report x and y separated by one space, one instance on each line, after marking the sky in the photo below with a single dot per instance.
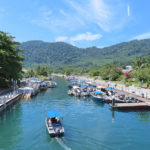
82 23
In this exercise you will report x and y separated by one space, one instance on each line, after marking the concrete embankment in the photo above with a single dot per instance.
6 102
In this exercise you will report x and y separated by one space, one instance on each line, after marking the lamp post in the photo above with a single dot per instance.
141 82
110 80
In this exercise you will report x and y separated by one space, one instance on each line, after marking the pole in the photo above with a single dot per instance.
113 100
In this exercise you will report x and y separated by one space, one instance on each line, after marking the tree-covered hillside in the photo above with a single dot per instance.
61 54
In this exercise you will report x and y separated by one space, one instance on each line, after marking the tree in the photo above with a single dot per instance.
42 71
10 60
139 63
95 72
112 72
142 74
68 71
30 73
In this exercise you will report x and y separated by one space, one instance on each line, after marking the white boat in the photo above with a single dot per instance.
51 84
98 95
53 124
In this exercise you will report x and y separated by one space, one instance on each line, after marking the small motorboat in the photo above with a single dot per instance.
51 84
97 95
53 124
43 86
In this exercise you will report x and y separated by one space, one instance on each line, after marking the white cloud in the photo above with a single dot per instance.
86 36
79 37
107 15
142 36
61 39
128 10
43 18
83 15
94 11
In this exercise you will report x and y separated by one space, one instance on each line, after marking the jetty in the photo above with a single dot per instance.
9 100
143 103
131 106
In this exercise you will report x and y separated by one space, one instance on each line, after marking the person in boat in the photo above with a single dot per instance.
54 120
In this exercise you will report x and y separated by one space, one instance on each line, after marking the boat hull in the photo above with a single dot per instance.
52 132
98 98
43 88
56 135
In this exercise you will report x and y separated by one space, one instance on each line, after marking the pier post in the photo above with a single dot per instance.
113 100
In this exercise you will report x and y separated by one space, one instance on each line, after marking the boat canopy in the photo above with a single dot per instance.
98 92
75 87
91 87
110 88
54 113
99 87
83 87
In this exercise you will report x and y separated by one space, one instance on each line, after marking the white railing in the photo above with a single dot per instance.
5 98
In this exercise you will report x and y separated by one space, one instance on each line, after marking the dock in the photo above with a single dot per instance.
9 101
131 106
142 99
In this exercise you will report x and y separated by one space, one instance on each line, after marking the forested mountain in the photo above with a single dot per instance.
60 54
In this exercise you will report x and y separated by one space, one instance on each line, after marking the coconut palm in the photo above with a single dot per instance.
139 63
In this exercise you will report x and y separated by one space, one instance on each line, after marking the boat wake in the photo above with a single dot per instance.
62 144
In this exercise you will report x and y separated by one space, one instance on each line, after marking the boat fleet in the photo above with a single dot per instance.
82 88
47 84
32 86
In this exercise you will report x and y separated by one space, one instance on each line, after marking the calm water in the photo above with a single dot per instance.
88 125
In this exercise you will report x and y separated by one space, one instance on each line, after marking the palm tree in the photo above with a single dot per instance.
139 63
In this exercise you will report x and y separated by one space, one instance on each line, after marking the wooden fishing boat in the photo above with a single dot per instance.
53 124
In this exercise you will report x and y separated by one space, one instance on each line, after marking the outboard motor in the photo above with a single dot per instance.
58 132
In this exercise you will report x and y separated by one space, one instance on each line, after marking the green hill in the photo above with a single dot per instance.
60 54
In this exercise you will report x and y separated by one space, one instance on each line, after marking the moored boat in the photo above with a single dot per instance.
51 84
98 95
43 86
53 124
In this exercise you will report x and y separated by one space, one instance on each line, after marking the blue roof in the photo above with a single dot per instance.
98 92
54 113
83 86
110 88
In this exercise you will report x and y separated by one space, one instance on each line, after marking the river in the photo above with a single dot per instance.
88 125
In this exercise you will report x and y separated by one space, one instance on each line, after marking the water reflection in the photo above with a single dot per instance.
143 116
113 116
101 104
10 127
